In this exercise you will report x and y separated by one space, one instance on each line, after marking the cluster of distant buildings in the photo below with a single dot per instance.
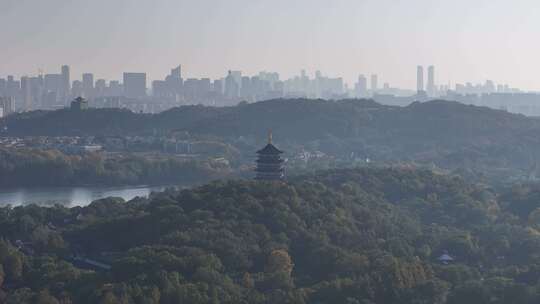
489 94
66 144
54 91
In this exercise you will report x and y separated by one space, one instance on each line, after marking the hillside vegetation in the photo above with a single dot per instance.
291 120
450 135
51 168
338 236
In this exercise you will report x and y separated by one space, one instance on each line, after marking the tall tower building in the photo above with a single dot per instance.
26 93
420 79
12 86
135 85
176 73
3 87
232 89
77 88
88 85
374 83
237 75
361 86
66 81
431 88
65 86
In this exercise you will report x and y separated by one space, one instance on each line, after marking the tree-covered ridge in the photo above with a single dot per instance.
475 140
52 168
291 120
339 236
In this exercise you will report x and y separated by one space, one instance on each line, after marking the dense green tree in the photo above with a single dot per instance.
2 275
32 167
337 236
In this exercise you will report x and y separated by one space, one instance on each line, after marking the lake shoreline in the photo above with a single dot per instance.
76 196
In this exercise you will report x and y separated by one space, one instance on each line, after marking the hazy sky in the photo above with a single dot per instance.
467 40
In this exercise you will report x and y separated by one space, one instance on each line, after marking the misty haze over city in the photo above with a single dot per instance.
262 152
488 51
469 41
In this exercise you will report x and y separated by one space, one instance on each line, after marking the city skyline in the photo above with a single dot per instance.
135 92
424 73
342 38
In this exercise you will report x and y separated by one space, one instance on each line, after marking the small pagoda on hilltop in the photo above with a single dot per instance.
270 163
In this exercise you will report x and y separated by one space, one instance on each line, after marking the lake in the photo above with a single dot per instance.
70 196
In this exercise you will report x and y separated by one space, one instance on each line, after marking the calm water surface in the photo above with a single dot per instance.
71 196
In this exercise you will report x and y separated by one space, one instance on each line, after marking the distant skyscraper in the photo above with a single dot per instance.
26 93
115 88
237 75
66 81
77 88
218 86
374 83
247 89
431 88
160 88
3 87
232 87
361 86
53 85
6 106
489 87
420 78
173 83
53 82
12 87
100 87
135 85
88 80
88 85
176 73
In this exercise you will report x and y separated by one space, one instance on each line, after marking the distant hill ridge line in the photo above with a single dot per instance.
290 119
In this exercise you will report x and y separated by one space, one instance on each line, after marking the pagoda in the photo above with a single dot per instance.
270 163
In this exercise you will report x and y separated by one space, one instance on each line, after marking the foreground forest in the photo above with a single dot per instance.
338 236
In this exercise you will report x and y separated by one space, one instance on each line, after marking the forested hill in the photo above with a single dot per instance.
448 134
340 236
295 120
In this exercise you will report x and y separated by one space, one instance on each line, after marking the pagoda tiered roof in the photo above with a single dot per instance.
270 149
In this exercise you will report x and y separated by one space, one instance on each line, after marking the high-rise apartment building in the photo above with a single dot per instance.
6 106
77 88
176 73
232 88
420 79
3 87
115 88
361 86
431 88
218 86
26 93
135 85
66 81
374 83
100 87
237 75
88 85
12 87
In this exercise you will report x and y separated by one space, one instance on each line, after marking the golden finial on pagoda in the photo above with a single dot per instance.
270 137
